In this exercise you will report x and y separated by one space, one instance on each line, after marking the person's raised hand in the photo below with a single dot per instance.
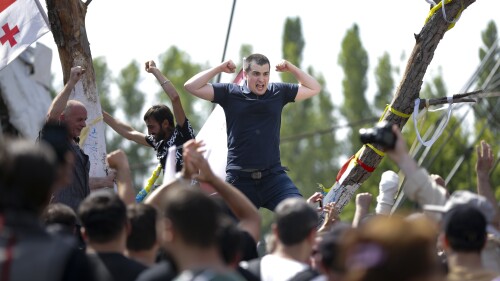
228 67
150 66
400 150
363 200
117 160
485 158
76 73
317 197
283 66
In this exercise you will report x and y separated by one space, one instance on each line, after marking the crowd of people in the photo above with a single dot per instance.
58 223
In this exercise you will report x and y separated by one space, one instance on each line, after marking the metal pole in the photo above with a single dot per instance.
227 37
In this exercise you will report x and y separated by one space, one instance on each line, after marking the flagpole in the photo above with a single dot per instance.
42 12
227 37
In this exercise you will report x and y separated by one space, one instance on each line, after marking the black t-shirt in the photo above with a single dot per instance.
115 266
249 247
162 271
253 123
78 268
178 138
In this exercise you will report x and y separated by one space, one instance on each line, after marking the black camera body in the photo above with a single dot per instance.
381 134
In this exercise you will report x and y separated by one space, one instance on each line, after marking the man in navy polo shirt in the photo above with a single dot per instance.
253 117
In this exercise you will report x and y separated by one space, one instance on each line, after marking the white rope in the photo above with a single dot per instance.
440 128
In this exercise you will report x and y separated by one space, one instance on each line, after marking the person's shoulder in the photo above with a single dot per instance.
282 87
209 275
160 271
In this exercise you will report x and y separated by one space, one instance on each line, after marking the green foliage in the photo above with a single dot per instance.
131 103
132 99
310 155
353 59
176 66
385 82
487 115
103 80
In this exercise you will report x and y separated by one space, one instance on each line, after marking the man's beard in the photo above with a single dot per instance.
160 136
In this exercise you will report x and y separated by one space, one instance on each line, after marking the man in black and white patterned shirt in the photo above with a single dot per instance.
162 130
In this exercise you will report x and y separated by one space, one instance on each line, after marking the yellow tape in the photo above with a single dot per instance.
85 131
379 152
152 179
437 7
395 112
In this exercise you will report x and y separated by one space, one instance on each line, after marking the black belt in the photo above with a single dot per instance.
252 173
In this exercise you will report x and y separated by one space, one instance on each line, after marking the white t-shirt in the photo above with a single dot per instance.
276 268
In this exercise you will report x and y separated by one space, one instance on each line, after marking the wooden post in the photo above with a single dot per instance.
67 22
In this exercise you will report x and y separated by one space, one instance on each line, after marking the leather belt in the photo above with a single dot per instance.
252 173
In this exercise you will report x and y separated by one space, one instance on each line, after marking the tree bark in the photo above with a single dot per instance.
408 90
67 22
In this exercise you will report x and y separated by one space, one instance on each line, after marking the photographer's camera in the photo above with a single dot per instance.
381 134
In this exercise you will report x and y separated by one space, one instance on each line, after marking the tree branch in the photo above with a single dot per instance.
408 90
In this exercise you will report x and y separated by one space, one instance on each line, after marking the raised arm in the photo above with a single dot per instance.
59 103
248 216
308 85
419 186
484 164
168 87
198 85
363 201
118 161
124 130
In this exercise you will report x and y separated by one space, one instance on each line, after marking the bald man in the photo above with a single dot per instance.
73 115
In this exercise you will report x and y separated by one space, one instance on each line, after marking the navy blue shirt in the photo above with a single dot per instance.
253 123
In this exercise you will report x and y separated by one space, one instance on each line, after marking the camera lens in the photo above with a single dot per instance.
367 135
381 134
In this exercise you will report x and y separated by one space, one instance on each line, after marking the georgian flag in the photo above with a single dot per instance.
22 22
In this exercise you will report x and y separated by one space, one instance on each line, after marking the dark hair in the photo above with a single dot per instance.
230 239
465 229
330 245
256 58
295 219
160 113
142 219
27 174
58 213
103 215
193 215
56 135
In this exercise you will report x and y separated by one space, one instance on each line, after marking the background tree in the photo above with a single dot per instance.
311 156
487 111
131 104
384 82
177 66
353 59
103 79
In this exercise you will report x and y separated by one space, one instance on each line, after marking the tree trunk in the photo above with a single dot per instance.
408 90
67 22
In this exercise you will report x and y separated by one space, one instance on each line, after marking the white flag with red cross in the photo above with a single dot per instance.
22 22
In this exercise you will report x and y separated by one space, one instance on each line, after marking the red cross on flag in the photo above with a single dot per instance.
22 22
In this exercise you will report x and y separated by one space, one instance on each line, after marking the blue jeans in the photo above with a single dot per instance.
266 192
